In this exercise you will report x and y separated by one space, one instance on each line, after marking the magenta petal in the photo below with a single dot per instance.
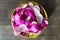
29 12
43 24
34 28
28 24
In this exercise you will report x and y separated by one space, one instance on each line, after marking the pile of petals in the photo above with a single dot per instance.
28 20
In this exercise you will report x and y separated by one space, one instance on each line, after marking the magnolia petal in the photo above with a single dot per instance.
37 14
23 28
16 33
